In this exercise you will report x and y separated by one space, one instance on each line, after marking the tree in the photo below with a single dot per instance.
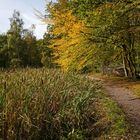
105 28
30 52
46 52
66 39
14 36
118 29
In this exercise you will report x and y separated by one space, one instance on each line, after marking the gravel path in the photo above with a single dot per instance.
127 101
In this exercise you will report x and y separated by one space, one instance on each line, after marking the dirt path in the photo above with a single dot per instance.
127 101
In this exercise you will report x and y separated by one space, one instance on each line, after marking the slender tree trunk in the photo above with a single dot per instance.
124 66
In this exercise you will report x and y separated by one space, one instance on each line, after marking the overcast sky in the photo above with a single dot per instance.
26 8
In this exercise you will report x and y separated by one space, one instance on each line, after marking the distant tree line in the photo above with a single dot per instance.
20 48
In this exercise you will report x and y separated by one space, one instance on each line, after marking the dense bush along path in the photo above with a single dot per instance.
126 100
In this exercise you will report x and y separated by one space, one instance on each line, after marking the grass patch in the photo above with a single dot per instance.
136 89
113 119
41 104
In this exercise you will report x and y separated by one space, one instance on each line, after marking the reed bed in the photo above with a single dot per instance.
42 104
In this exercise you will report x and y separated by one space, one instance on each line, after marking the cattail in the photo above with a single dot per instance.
42 81
5 85
23 79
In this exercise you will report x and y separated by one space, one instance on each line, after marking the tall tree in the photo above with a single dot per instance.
30 52
66 39
118 29
14 36
108 28
46 53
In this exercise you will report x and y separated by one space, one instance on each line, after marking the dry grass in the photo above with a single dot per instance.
136 89
41 104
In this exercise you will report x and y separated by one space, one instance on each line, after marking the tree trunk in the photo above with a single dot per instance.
129 63
124 66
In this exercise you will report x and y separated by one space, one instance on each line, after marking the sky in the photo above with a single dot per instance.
26 9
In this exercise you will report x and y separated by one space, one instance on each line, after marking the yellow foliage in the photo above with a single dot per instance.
67 29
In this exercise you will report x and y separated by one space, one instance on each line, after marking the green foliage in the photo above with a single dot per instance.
49 104
30 53
46 53
14 34
20 48
108 29
3 51
15 63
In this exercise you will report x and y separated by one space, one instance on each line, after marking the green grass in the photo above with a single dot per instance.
41 104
